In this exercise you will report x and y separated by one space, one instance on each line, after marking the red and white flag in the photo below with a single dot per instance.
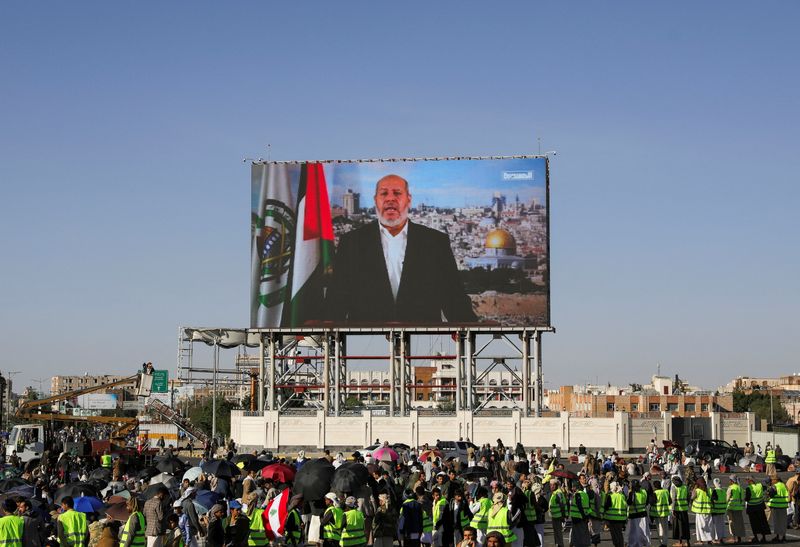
274 516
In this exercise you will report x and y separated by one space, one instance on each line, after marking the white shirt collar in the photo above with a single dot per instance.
385 230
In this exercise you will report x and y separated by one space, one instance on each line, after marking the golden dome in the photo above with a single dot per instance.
500 239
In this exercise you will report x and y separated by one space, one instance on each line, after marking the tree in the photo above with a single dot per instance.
201 414
353 402
758 402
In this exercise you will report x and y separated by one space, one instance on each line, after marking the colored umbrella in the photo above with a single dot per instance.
88 504
564 474
430 454
119 497
221 468
313 480
206 498
385 454
75 490
192 473
279 472
118 511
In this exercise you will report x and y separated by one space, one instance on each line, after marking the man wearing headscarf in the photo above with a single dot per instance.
659 511
719 506
735 499
500 519
216 530
580 512
616 510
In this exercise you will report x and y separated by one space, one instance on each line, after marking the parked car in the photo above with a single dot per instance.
709 449
455 449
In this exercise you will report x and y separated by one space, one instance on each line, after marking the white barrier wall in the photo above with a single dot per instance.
621 432
787 441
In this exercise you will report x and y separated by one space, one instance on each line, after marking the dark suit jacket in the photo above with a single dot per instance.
360 292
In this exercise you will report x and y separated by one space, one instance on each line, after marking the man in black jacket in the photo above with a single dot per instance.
394 270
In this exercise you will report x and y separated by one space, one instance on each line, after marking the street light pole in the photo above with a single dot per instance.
772 418
9 374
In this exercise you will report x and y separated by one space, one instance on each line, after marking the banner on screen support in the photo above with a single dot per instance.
417 243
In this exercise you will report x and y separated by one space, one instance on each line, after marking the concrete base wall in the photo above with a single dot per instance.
621 432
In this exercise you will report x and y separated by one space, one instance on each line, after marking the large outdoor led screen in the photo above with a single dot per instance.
401 242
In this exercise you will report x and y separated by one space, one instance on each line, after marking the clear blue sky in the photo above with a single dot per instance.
125 201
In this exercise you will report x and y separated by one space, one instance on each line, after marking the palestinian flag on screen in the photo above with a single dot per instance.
313 247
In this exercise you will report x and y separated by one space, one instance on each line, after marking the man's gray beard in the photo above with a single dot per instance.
393 223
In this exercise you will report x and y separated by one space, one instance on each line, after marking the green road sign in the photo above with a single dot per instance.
160 381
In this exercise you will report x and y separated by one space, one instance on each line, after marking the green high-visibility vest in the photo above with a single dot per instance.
619 507
720 505
427 522
258 536
530 508
333 530
702 503
480 520
661 508
105 460
138 537
557 505
574 511
75 529
771 458
603 495
353 532
781 497
639 503
499 523
756 494
294 536
11 527
736 502
681 498
437 509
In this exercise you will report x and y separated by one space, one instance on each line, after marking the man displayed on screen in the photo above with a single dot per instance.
394 270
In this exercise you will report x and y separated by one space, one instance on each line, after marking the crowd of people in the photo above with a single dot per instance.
499 497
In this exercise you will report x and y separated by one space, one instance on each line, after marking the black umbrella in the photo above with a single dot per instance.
147 473
256 465
102 473
476 472
220 468
346 480
75 490
238 458
314 479
171 465
13 482
522 467
362 471
152 490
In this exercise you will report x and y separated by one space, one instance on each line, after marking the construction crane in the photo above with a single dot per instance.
29 439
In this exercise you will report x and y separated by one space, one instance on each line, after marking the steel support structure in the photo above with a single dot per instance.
309 366
306 369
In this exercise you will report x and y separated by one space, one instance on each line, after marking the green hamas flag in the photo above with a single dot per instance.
272 229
